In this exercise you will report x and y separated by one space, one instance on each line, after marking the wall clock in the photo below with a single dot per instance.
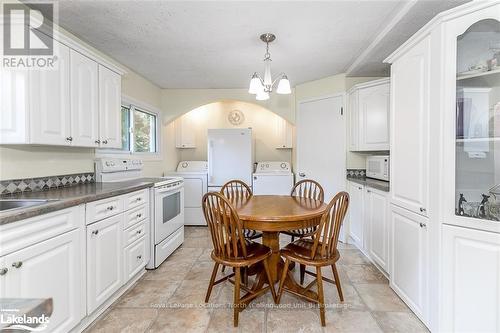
236 117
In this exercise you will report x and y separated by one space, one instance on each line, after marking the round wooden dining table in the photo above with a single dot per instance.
272 214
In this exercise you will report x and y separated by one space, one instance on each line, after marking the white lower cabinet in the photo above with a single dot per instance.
49 269
135 258
356 213
377 219
104 260
471 280
409 262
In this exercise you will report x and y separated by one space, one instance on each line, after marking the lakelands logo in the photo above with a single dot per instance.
27 35
24 322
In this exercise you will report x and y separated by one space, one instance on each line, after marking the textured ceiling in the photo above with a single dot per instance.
215 44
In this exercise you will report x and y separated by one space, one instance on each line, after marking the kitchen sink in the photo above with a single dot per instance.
9 204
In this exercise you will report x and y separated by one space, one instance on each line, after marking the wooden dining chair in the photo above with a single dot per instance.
318 252
233 250
236 190
306 188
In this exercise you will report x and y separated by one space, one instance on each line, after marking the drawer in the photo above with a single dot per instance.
17 235
134 233
102 209
136 199
136 215
135 258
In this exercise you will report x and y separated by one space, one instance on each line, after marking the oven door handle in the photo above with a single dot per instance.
169 189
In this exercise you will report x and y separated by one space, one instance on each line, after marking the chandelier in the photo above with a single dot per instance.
262 87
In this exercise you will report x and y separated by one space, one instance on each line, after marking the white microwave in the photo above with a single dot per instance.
378 167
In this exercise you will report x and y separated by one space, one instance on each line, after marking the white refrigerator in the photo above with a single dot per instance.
230 156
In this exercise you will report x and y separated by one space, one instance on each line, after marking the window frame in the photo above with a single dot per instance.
133 104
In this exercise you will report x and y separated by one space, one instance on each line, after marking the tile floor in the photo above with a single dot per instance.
170 299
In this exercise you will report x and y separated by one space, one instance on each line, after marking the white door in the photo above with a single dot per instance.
471 280
408 275
104 260
410 86
377 220
356 213
230 156
374 117
110 95
50 120
84 101
321 147
50 269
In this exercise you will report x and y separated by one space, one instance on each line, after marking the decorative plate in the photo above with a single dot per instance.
236 117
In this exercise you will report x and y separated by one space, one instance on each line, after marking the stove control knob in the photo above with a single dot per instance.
283 165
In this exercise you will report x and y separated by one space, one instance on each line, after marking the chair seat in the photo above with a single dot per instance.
251 234
300 232
300 250
255 252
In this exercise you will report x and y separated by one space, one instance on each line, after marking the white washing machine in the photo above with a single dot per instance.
273 178
195 174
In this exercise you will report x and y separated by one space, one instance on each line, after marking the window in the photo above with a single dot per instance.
139 130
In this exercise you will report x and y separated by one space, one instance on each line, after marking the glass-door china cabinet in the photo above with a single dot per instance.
477 147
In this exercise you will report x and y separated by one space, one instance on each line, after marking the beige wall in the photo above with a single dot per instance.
215 115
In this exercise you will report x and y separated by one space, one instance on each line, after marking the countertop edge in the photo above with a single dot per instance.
371 183
49 207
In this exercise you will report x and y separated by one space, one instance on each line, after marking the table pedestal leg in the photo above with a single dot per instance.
271 240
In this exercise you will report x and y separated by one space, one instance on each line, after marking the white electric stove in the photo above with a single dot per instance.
167 204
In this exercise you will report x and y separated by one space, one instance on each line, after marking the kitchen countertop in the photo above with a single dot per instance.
65 197
373 183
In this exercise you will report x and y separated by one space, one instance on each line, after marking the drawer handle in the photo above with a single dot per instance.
423 210
360 188
105 142
139 257
95 232
69 138
139 231
17 264
110 208
4 271
423 225
138 199
139 215
98 141
368 191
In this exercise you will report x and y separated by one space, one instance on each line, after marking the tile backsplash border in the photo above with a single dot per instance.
15 186
356 173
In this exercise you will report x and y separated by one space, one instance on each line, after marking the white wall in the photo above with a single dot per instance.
215 115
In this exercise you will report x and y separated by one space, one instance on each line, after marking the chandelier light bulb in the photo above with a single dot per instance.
255 85
284 86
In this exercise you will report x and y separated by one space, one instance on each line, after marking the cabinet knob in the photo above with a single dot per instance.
95 232
423 210
423 225
139 257
301 174
69 138
138 199
139 232
4 271
139 215
360 188
17 264
110 208
105 142
98 141
368 191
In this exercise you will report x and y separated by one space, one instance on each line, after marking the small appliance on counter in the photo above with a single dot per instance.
166 201
272 178
377 167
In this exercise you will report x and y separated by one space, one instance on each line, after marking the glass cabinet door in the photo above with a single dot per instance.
477 174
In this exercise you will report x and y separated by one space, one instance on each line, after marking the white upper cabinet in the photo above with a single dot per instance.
50 119
76 103
14 106
110 93
410 80
185 135
284 133
84 101
369 116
